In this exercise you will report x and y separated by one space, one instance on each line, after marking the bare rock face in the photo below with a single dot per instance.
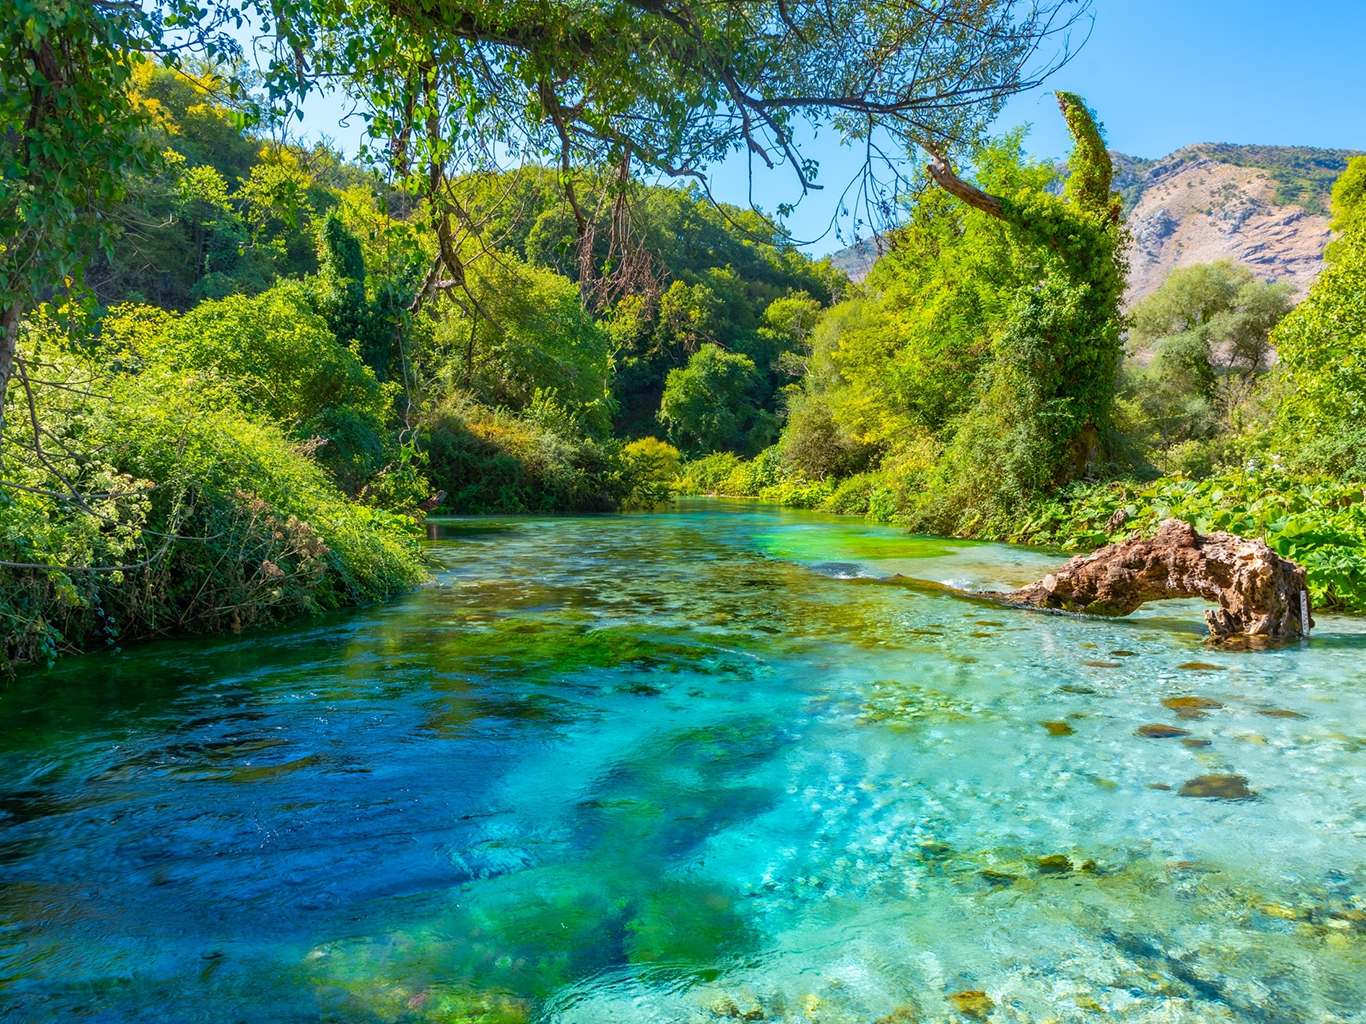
1195 210
1259 593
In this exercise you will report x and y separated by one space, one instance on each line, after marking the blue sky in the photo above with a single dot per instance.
1160 73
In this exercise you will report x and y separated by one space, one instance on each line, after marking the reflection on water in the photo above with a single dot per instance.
707 765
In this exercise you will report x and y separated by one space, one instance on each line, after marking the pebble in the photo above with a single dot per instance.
972 1003
1190 707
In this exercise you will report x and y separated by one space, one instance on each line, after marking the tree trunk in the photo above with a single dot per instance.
955 186
1259 593
9 339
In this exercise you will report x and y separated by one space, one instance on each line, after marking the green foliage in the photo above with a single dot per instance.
1207 333
495 460
661 86
994 340
651 466
540 339
706 408
272 356
1322 343
1349 196
816 446
1319 523
218 519
72 139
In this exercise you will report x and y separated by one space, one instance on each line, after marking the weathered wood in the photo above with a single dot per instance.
1259 593
944 174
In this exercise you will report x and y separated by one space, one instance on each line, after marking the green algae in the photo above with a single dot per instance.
844 542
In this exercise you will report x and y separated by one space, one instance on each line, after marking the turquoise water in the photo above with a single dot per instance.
706 765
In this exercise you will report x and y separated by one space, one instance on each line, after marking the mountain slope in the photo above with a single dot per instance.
1260 205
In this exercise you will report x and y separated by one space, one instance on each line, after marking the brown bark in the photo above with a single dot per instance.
955 186
1259 593
9 340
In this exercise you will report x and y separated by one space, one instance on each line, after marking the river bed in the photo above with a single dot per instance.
711 764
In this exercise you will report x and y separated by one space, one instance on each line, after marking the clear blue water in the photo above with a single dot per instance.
697 766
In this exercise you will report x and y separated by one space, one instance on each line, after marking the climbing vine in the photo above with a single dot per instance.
1043 411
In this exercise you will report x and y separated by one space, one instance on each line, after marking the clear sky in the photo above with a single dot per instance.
1161 74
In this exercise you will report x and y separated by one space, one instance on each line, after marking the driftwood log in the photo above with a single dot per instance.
1259 593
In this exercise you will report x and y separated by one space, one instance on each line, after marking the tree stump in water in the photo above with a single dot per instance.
1259 593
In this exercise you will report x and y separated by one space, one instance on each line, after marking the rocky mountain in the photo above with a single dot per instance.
1266 206
857 259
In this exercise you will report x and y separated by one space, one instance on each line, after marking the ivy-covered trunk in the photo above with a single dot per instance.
9 339
1044 407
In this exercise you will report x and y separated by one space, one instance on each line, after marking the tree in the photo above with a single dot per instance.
1043 402
705 407
1218 313
72 136
661 86
1322 343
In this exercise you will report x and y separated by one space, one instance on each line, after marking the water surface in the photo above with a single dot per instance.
706 765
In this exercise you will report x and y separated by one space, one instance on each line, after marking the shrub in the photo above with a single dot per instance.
270 356
494 460
195 517
651 467
705 407
707 475
1322 343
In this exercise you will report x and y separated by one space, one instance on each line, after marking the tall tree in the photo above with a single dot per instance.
1044 409
72 136
662 87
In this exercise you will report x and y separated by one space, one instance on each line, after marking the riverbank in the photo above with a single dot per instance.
1318 523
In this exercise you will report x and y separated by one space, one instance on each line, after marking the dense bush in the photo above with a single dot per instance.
274 357
1322 344
199 517
706 405
495 460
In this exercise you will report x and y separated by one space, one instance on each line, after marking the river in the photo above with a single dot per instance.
705 765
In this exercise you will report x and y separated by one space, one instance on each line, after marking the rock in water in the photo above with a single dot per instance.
1218 787
1258 591
973 1003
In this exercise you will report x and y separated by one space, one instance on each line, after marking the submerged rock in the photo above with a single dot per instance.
1054 864
972 1003
1191 707
1058 728
1218 787
1259 593
997 879
1160 732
